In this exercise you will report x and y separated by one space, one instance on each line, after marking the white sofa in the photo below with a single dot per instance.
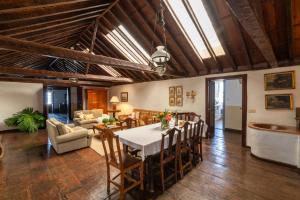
77 139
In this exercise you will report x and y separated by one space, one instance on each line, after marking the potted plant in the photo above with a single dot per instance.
27 120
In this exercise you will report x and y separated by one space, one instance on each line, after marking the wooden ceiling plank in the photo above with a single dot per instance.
55 26
56 22
33 72
245 15
31 14
290 27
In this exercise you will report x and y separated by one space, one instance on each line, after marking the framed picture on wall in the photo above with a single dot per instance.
179 91
280 80
124 96
171 101
179 101
171 91
279 101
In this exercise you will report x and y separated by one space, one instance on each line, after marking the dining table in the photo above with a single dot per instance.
146 139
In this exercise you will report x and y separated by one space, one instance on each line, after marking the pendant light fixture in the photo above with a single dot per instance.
160 57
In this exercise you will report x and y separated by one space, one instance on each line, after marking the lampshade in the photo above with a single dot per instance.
114 99
160 56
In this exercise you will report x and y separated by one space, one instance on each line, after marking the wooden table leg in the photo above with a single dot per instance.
150 177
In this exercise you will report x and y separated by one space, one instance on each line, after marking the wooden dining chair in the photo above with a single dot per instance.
185 148
129 123
169 154
123 162
194 117
197 141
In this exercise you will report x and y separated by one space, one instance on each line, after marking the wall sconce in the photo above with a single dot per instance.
191 94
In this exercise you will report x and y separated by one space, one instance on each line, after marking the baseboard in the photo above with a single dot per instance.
233 130
276 162
8 131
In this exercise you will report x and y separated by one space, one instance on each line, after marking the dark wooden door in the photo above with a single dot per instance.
211 108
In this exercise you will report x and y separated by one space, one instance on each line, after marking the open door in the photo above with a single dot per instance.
211 108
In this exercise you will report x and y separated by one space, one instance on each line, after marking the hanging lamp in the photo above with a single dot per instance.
160 57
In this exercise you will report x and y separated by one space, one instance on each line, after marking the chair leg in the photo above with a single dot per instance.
176 169
122 186
180 166
162 177
108 180
201 152
142 176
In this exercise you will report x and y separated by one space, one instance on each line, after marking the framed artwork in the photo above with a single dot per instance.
171 91
179 101
171 101
179 91
124 96
279 101
280 80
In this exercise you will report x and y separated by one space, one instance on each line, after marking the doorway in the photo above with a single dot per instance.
58 103
226 106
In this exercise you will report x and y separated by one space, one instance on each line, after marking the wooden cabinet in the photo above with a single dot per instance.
96 99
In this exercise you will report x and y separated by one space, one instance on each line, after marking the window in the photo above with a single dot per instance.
127 45
49 97
183 19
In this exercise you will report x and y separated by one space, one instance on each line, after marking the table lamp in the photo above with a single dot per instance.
114 100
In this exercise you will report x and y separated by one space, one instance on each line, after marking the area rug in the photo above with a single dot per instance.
97 146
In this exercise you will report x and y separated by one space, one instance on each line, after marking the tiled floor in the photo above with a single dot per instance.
32 170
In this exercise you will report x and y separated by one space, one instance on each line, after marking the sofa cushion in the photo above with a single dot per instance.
72 136
88 116
88 121
96 112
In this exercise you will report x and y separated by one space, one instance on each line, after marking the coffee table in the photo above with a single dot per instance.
101 127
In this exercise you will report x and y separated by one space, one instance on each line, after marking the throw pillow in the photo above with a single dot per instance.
89 116
81 116
78 114
63 129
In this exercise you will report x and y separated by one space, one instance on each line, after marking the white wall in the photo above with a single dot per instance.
16 96
154 95
233 104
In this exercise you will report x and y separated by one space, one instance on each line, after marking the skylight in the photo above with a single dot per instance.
181 15
111 71
127 45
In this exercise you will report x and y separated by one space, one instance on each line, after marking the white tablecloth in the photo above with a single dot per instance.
145 138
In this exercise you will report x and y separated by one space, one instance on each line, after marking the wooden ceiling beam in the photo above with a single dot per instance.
54 82
85 43
33 72
245 15
102 14
53 51
91 49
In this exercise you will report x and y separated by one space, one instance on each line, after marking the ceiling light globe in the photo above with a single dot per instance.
160 56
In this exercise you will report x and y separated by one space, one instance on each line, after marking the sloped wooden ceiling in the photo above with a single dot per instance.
269 38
